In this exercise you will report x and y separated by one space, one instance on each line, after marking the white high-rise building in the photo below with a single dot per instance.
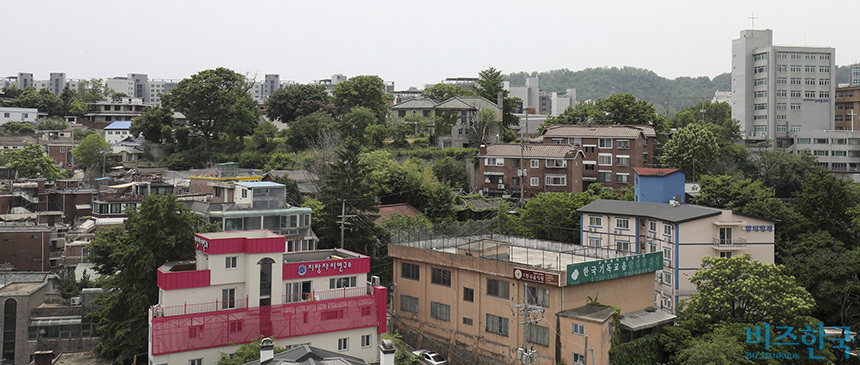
781 90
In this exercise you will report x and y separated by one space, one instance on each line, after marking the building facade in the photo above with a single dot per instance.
683 233
104 113
506 170
25 115
243 285
847 107
777 90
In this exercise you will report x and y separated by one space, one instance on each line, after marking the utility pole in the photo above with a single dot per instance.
529 313
523 172
343 216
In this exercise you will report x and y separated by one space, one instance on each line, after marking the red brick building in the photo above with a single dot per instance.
62 153
611 151
547 167
25 248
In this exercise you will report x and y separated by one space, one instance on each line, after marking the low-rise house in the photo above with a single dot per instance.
505 170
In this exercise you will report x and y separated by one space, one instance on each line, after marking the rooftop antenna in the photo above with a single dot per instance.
753 18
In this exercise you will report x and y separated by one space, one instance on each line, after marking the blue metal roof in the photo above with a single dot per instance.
259 184
120 124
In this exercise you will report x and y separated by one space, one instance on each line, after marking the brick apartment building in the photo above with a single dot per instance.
547 167
25 248
847 106
611 151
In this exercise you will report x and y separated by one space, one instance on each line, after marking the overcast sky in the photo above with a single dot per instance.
409 42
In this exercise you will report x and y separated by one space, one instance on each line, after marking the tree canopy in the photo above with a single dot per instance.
442 91
362 91
215 101
297 100
155 124
692 149
32 161
489 85
92 153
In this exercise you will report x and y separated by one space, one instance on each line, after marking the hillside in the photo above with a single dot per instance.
598 83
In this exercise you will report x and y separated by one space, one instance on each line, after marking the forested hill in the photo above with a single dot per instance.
598 83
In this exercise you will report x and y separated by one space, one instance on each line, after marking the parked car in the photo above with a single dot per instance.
429 357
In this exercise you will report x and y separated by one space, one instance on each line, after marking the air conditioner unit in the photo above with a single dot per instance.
501 186
374 280
592 229
76 300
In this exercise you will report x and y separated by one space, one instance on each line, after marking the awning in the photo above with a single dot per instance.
640 320
54 321
83 206
123 186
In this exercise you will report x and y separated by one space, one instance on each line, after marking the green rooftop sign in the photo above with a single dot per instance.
592 271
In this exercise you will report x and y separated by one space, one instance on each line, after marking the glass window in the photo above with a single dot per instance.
408 304
440 277
537 334
228 298
340 283
410 271
497 325
365 341
604 142
578 329
622 223
232 262
595 221
468 294
343 344
440 311
498 288
537 296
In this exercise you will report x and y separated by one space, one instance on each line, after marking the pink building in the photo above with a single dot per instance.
243 285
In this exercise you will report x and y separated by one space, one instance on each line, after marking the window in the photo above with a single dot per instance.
498 288
823 81
589 149
440 277
726 254
244 193
821 140
235 326
595 221
760 94
578 358
622 177
781 93
781 56
760 106
622 160
495 162
809 81
819 153
410 271
652 226
332 314
810 56
228 298
343 344
515 162
440 311
759 69
795 93
668 229
795 106
622 144
537 334
365 341
578 329
467 321
795 68
780 68
667 278
622 245
809 68
589 165
468 295
760 57
809 94
796 80
604 176
298 292
824 69
781 128
667 303
497 325
555 163
535 164
781 80
593 242
781 106
604 142
622 223
537 296
781 117
231 262
556 180
823 94
408 304
576 141
534 181
195 362
840 141
824 57
340 283
759 82
604 159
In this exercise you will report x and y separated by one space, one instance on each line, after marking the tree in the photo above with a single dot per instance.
264 134
482 125
32 161
441 92
92 153
740 290
353 124
43 100
93 91
625 109
376 134
826 201
127 257
294 101
18 128
79 134
51 124
306 129
451 172
490 84
153 123
214 101
783 171
362 91
691 149
246 353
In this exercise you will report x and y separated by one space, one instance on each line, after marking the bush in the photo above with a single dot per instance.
184 160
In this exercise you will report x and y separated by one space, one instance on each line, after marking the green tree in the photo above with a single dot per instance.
294 101
127 257
215 101
625 109
32 161
489 85
442 91
482 125
451 172
362 91
92 153
79 134
246 353
376 134
93 91
52 124
719 348
18 128
353 124
43 100
306 129
784 171
264 136
826 202
740 290
691 149
155 124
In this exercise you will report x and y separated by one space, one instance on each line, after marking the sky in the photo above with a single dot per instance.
410 43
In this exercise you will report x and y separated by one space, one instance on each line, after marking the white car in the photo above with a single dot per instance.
429 357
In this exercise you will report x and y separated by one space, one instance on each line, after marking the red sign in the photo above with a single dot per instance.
537 276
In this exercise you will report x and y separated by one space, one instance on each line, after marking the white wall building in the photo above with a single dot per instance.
781 89
123 85
27 115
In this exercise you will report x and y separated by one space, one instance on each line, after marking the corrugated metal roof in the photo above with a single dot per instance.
665 212
597 130
644 319
120 124
531 150
597 313
259 184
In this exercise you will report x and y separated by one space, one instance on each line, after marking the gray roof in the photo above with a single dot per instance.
415 104
664 212
597 313
531 150
598 130
309 355
644 319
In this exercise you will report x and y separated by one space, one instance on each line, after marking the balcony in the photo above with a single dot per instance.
173 330
730 243
120 197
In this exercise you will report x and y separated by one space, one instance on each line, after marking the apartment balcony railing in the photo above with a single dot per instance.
730 243
120 197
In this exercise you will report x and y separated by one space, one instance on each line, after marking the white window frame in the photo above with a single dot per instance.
548 180
492 161
534 181
624 175
343 344
231 262
622 223
618 159
601 159
578 329
554 163
595 221
601 144
622 144
534 164
365 341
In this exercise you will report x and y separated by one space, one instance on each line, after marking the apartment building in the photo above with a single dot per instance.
777 90
244 284
837 151
464 297
683 233
26 115
104 113
112 202
846 116
157 88
611 151
460 113
506 170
